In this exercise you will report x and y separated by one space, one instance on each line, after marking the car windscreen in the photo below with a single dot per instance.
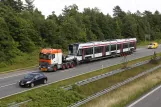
151 44
29 76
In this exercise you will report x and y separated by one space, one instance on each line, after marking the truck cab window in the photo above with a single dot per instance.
41 56
53 56
49 56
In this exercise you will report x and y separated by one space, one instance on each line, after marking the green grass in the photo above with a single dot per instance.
145 43
23 61
48 98
48 95
101 84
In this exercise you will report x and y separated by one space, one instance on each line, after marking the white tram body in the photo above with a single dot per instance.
101 49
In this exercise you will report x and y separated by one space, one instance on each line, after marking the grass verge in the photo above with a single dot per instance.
101 84
48 95
145 43
23 61
127 93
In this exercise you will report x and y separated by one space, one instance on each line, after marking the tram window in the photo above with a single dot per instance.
88 51
118 46
107 48
113 47
98 49
131 44
125 45
80 52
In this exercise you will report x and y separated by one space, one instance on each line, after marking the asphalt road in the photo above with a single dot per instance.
8 81
151 99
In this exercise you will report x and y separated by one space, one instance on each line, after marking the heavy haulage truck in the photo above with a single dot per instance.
53 59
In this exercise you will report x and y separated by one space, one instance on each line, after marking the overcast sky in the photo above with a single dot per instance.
105 6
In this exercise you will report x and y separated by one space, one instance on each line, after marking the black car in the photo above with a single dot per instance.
32 79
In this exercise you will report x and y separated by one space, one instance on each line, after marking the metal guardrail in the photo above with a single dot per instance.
18 104
95 78
107 90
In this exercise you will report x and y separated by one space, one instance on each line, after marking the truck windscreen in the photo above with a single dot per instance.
45 56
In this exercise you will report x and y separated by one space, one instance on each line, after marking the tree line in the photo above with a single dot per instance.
23 28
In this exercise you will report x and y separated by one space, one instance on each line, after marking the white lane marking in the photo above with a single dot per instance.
67 70
138 49
131 105
7 85
14 75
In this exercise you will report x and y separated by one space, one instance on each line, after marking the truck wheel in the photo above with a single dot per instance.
63 66
67 66
132 50
55 68
76 62
113 55
72 65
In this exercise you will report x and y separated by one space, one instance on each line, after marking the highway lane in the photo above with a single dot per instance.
8 82
151 99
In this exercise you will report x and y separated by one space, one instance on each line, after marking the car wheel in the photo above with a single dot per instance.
45 81
32 85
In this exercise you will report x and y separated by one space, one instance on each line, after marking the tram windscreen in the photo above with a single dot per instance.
73 49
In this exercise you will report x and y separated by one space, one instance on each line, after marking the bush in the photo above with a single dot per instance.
2 65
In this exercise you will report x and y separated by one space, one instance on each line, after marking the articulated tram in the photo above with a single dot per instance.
101 49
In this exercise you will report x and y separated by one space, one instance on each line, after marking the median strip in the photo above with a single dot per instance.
95 78
105 91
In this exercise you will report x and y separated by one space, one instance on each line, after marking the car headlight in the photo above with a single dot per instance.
28 82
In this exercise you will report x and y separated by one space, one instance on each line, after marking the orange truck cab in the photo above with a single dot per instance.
53 59
50 59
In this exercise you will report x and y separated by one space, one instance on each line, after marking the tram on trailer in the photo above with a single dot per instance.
53 59
101 49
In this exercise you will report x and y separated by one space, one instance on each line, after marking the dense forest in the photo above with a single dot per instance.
23 28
